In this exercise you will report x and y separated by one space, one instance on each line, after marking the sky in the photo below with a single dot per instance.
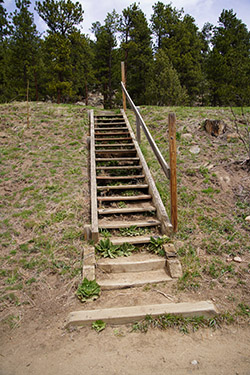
202 10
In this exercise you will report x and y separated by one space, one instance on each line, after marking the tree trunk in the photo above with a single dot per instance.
86 93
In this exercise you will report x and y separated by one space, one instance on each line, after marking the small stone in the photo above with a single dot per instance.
194 362
187 136
247 219
237 259
194 149
174 268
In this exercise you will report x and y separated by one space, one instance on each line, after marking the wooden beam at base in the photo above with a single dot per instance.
132 314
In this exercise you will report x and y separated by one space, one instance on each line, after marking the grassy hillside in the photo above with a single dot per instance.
45 203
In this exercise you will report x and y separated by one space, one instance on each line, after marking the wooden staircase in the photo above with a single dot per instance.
123 195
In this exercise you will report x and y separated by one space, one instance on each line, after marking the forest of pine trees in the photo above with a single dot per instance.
168 60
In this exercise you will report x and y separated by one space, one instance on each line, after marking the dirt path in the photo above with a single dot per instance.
50 350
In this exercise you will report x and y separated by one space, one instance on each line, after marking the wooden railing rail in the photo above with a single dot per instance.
170 172
140 122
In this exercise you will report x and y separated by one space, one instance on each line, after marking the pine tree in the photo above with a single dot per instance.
178 35
4 30
24 47
136 51
228 64
164 87
61 17
82 56
106 61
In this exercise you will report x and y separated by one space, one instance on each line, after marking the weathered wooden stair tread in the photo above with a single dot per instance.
111 129
113 133
129 210
132 279
113 139
117 159
134 263
120 177
132 314
127 224
136 240
111 123
124 198
119 167
116 151
140 262
114 145
121 187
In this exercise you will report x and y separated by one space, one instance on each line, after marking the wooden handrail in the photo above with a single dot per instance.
151 141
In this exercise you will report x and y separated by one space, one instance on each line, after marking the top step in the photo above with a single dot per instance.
109 115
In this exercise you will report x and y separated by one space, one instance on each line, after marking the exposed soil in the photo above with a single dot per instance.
45 203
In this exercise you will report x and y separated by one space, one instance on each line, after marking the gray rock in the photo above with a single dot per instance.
195 149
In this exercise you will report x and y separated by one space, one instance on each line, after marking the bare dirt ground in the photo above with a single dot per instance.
44 205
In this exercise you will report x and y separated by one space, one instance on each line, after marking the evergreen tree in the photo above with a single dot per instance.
136 50
61 18
228 64
179 37
4 29
106 57
164 87
23 52
82 56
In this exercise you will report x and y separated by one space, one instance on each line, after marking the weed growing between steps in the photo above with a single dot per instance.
88 290
106 249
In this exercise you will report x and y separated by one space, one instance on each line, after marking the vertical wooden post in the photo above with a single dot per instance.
28 110
173 177
138 128
124 82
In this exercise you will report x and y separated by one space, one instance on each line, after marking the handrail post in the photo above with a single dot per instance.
138 127
173 177
124 82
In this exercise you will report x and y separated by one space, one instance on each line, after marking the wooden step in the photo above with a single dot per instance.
116 151
141 262
127 224
120 177
111 115
129 210
117 159
132 279
120 167
115 145
114 133
110 123
111 129
136 240
113 139
124 198
132 314
123 187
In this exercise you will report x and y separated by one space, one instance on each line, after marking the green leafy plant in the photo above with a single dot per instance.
88 289
156 245
105 233
108 250
99 325
126 249
133 230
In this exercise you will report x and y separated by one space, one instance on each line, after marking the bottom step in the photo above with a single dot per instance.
132 314
132 279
